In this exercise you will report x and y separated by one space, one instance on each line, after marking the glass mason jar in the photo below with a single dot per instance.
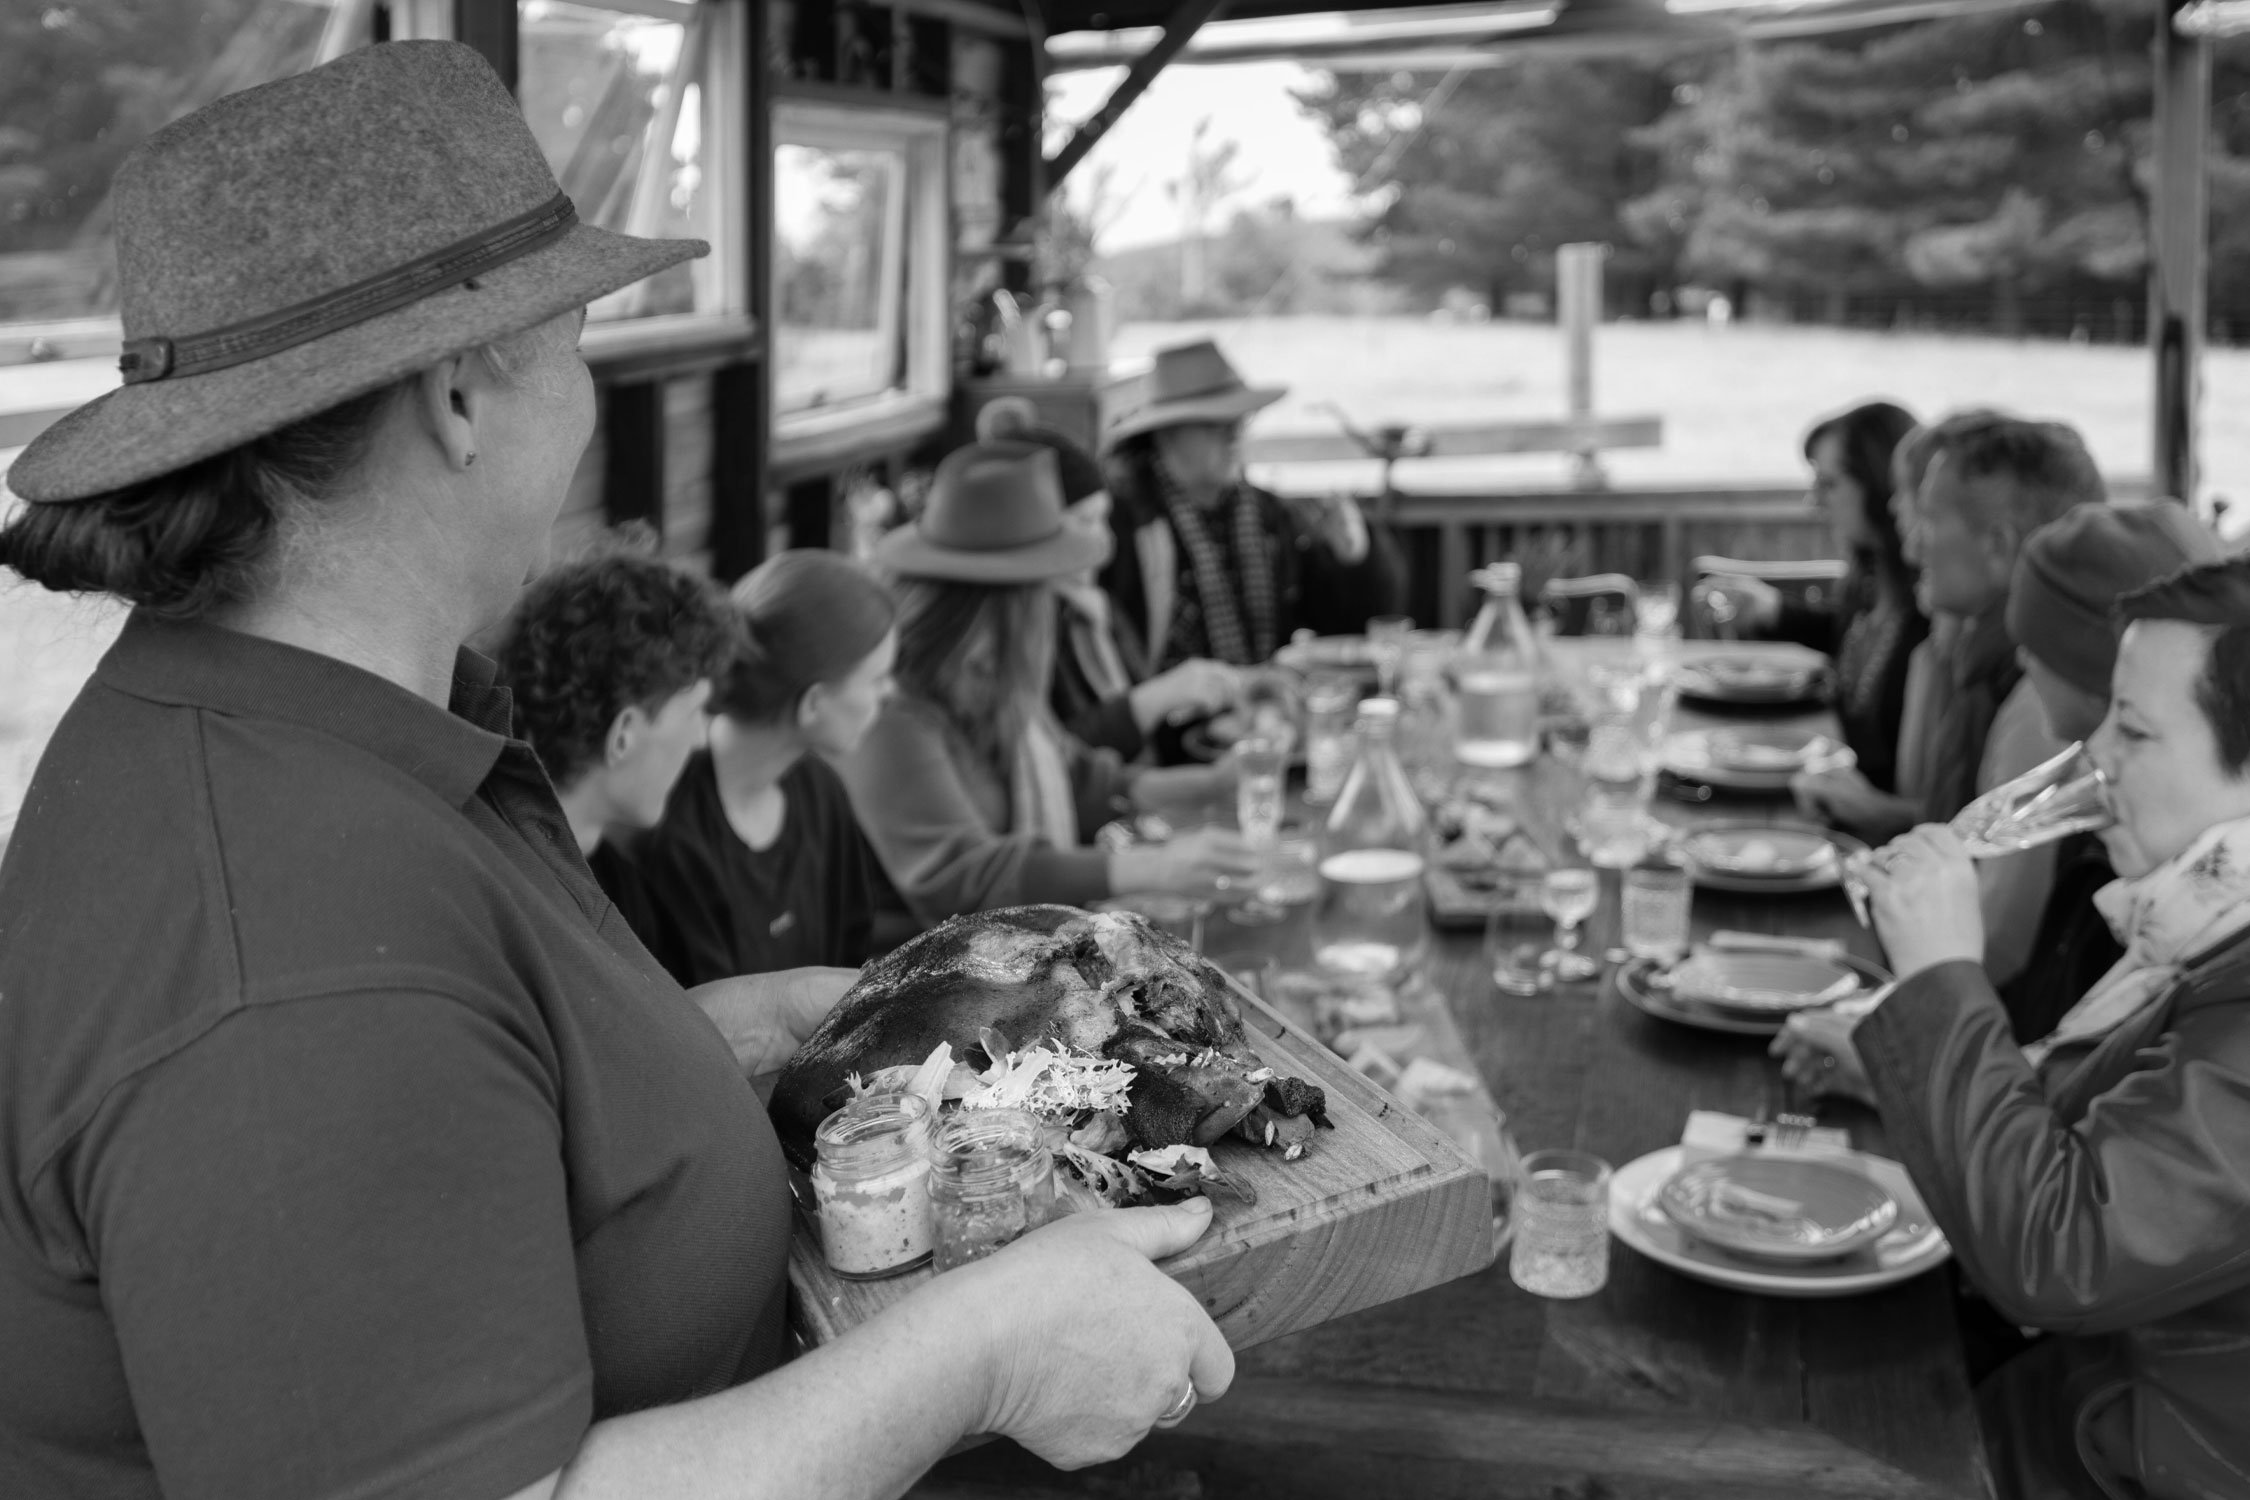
1370 920
992 1180
1496 677
871 1181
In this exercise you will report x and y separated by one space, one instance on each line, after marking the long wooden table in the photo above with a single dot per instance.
1656 1386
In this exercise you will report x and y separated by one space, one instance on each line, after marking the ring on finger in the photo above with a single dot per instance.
1177 1412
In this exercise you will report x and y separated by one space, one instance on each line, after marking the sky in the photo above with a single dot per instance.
1283 150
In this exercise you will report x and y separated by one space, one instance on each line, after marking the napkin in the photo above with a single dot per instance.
1711 1134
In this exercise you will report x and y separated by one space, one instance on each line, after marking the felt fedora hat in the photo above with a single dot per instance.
1187 383
294 245
995 515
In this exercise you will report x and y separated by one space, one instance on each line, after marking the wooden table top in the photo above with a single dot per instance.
1658 1385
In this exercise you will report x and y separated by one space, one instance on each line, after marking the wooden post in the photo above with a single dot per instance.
633 474
2182 69
1578 304
1181 25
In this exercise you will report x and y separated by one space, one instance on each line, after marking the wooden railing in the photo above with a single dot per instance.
1640 533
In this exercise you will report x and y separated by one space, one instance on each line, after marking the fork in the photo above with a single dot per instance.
1791 1124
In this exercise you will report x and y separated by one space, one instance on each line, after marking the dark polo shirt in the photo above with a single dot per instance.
350 1145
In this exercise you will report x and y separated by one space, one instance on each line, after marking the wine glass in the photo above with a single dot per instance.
1386 644
1569 894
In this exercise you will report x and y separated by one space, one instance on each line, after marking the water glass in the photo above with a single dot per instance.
1515 938
1261 764
1657 899
1569 894
1330 702
1386 644
1614 826
1656 610
1562 1225
1292 873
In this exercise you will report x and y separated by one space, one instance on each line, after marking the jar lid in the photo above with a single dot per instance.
872 1126
978 1146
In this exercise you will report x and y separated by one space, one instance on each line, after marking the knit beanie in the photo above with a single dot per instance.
1079 470
810 615
2072 571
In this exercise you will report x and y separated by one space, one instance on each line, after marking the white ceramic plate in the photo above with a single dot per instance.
1749 678
1913 1244
1762 983
1779 1207
1764 859
1751 759
1660 1002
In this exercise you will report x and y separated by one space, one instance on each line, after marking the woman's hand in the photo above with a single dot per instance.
1336 521
1738 600
767 1017
1844 797
1191 690
1816 1052
1202 862
1923 892
1090 1342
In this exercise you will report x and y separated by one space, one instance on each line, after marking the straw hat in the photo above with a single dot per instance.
292 246
995 515
1188 383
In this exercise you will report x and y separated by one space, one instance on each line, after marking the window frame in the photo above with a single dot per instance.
811 115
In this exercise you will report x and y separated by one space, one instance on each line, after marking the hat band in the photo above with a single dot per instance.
157 358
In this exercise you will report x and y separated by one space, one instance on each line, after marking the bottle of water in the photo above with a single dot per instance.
1496 677
1370 923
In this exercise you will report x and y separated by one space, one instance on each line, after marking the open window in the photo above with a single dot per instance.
859 342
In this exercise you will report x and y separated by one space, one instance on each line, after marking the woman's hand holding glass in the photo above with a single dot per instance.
1192 690
1921 890
1200 862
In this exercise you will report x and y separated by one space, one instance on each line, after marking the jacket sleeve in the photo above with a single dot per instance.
1814 625
936 846
2136 1211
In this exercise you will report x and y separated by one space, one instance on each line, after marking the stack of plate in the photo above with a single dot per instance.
1767 859
1742 993
1751 759
1810 1225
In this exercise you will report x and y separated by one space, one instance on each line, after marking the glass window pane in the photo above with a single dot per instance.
83 84
839 273
621 107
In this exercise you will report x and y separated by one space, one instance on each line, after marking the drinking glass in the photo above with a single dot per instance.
1261 764
1561 1212
1569 895
1330 702
1292 874
1657 900
1614 826
1386 645
1515 937
2053 800
1656 613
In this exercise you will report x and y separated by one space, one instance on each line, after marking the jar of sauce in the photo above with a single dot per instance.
871 1182
992 1180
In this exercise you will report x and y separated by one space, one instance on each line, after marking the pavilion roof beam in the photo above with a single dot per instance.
1179 28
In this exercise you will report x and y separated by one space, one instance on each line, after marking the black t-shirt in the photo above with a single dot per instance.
713 907
350 1145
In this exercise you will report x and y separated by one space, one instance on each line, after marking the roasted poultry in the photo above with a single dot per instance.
1100 986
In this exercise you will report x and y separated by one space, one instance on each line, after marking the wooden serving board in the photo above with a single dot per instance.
1381 1206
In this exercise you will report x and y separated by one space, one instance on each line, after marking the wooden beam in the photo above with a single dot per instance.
1533 435
1183 24
2180 219
490 27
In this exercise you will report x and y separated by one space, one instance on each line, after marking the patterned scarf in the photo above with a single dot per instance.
1214 595
2166 919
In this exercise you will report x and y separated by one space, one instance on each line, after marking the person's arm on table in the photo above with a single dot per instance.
2133 1212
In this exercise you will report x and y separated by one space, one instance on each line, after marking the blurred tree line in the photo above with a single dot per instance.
1987 171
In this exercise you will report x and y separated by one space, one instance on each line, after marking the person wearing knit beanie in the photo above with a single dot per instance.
759 863
2067 581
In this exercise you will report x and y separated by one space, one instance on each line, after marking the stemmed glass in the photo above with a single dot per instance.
1386 644
2053 800
1569 894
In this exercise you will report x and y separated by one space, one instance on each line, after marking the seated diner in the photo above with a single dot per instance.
350 1144
972 795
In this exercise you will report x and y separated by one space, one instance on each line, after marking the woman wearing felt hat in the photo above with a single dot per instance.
349 1143
1206 564
971 793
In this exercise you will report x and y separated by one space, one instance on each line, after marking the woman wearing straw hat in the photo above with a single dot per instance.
1205 564
349 1144
971 793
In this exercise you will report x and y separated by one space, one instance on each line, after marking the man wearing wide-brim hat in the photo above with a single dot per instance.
1206 564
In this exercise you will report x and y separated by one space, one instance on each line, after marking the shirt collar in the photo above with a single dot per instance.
450 751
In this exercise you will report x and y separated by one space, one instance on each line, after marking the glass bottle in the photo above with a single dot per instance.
871 1182
1496 677
992 1180
1370 920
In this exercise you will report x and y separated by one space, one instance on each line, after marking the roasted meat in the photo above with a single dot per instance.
1109 985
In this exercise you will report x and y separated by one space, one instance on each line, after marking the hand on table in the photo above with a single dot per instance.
1201 862
1816 1052
1091 1344
767 1017
1192 690
1922 890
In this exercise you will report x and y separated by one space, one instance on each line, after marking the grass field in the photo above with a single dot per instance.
1734 402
